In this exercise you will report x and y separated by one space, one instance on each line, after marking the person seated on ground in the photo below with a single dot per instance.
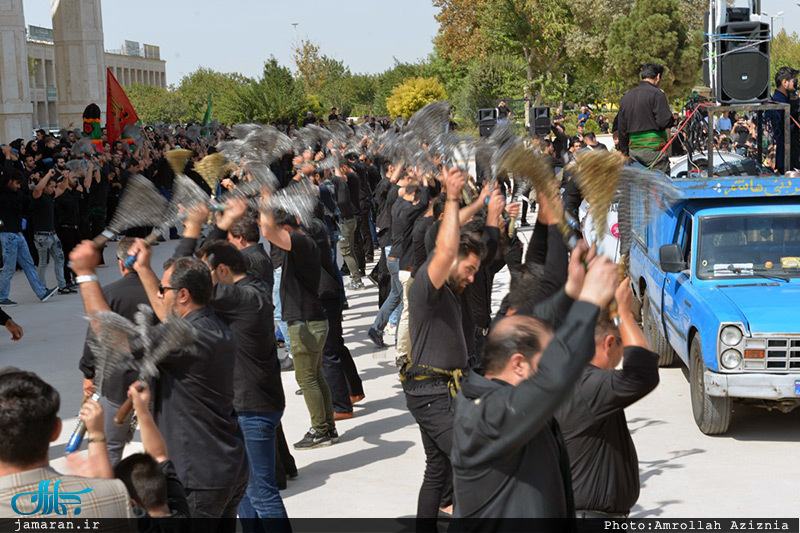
29 422
150 477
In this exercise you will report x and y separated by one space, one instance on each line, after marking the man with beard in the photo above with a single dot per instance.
438 348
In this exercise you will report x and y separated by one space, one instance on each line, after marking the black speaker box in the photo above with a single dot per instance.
486 126
540 120
742 70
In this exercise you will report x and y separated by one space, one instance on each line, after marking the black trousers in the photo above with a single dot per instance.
434 416
358 243
381 273
284 462
69 237
97 223
338 366
218 506
366 235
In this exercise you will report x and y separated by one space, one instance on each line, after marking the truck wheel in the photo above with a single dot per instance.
712 414
657 341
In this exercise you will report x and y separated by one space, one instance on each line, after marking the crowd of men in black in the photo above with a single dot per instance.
520 413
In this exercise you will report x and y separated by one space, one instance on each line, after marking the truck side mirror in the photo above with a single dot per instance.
670 258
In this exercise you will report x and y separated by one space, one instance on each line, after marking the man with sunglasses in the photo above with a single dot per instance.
605 468
194 392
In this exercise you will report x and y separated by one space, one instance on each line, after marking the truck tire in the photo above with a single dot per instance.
712 414
666 355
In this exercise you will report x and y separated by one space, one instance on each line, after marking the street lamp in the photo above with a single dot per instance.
772 21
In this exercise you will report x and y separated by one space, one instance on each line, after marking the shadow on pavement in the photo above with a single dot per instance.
751 423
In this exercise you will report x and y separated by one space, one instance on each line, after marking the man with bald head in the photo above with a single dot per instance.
509 459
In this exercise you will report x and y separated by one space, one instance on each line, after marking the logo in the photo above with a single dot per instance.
48 502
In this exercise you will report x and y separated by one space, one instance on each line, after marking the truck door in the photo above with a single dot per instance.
677 307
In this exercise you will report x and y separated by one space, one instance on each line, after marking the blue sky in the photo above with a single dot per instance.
238 35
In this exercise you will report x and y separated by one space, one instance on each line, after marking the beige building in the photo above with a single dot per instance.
125 64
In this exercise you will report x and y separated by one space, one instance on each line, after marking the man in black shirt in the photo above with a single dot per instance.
438 349
43 217
346 183
195 390
244 235
13 203
68 220
605 468
508 456
124 297
243 302
307 324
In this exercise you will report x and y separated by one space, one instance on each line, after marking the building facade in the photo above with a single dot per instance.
128 65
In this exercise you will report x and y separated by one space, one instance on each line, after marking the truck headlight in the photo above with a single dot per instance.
731 335
731 359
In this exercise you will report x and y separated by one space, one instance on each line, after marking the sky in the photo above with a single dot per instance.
239 35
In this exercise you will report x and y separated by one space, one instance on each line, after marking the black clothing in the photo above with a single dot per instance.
385 196
421 227
68 208
194 408
43 213
338 367
343 200
435 328
404 214
509 460
124 297
643 108
503 112
571 195
605 468
354 186
4 318
300 281
12 204
260 265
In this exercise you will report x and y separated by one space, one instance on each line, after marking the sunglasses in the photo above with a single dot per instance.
162 289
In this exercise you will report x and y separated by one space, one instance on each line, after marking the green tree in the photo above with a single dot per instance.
656 30
389 79
784 52
156 104
488 78
276 96
414 94
194 89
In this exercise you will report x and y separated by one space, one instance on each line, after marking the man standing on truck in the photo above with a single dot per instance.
644 119
785 93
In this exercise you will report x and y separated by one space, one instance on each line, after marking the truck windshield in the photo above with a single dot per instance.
754 246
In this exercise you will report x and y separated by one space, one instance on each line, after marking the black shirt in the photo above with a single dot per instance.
247 307
421 227
404 214
354 186
437 336
12 204
43 213
328 285
260 265
98 191
300 280
643 108
68 208
605 468
194 407
343 200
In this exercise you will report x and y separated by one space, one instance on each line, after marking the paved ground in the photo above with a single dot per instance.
376 469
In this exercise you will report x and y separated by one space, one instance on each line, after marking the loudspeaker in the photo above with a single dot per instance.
742 72
487 120
540 121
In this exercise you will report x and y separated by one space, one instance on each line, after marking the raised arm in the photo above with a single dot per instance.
149 280
275 235
152 440
39 189
447 240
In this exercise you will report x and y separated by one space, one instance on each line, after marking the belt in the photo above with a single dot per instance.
70 226
48 233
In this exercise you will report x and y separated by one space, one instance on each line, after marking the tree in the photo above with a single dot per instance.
388 80
157 104
460 39
414 94
194 89
784 52
656 31
275 97
488 78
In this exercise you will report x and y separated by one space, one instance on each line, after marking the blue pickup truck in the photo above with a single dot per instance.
718 277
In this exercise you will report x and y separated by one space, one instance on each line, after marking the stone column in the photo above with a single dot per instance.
79 58
16 110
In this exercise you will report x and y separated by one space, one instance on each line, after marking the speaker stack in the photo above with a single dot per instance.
743 63
487 120
540 121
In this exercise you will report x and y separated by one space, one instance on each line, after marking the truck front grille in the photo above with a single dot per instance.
783 354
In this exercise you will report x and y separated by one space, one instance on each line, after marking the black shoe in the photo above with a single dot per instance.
73 286
373 279
66 290
345 306
524 224
375 336
8 303
313 440
48 294
291 475
334 435
299 392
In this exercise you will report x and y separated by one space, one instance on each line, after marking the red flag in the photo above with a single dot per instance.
119 112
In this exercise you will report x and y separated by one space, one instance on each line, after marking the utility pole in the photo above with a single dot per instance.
295 24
